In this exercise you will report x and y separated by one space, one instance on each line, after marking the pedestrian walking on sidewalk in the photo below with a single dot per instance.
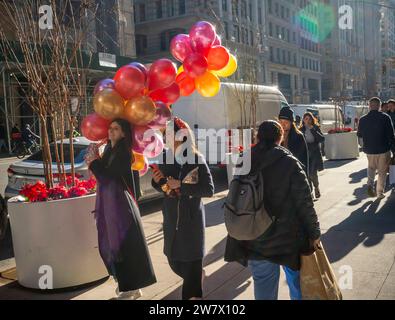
122 243
377 133
296 229
391 110
185 179
293 139
314 137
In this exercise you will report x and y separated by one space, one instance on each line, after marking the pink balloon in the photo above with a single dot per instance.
202 37
104 84
180 47
163 115
145 169
147 142
217 41
162 74
195 65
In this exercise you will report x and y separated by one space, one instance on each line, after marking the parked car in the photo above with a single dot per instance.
31 170
224 111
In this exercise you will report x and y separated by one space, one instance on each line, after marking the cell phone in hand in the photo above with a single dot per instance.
154 167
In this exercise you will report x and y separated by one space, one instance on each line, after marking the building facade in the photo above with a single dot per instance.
294 49
388 49
241 24
351 52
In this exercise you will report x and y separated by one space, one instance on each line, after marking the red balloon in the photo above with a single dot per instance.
218 58
129 81
180 47
167 95
195 65
141 67
202 37
94 127
217 41
186 84
162 74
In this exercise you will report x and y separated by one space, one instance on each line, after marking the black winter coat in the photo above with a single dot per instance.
316 163
184 217
288 198
298 147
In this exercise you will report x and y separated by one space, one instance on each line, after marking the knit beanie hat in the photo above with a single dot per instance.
287 113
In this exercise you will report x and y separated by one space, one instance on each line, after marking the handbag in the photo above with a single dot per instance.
317 279
392 171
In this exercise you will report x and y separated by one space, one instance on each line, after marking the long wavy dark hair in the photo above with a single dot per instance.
314 120
124 145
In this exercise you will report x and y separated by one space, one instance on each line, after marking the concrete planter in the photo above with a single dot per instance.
56 241
341 146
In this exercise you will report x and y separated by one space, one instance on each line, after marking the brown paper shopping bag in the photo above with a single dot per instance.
317 279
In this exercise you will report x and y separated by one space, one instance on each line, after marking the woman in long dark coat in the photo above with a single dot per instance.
122 243
313 135
184 184
296 230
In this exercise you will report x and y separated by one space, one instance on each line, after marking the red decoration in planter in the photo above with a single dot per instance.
340 130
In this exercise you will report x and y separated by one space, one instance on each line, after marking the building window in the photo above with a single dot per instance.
142 12
269 5
167 36
170 8
141 44
270 29
260 15
181 7
296 83
225 5
226 27
271 54
159 9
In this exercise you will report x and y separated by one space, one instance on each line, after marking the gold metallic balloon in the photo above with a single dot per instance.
140 111
108 104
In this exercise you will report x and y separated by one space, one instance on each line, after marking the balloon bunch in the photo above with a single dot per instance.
140 96
203 60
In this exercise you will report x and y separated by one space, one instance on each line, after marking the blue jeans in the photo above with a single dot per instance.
266 277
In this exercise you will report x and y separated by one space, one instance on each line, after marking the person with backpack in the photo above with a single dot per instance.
283 216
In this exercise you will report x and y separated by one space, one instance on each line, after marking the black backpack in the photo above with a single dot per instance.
245 215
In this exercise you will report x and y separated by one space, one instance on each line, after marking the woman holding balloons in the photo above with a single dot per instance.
122 242
184 181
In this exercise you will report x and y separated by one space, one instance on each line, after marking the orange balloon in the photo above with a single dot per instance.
230 68
208 85
108 104
140 111
139 162
218 58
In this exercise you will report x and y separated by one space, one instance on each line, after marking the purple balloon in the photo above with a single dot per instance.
104 84
202 37
163 115
180 47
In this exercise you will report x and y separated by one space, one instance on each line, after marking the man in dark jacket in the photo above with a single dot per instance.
378 136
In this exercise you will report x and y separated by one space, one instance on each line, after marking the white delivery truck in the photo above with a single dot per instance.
220 117
353 113
328 115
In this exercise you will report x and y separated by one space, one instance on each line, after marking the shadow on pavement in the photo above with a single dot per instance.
332 164
367 225
358 176
14 291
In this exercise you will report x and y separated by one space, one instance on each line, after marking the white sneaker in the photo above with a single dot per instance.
129 295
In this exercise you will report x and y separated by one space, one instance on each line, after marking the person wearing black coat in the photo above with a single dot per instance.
293 139
184 184
313 136
296 230
122 243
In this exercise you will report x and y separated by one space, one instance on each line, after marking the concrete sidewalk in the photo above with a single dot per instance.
358 235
